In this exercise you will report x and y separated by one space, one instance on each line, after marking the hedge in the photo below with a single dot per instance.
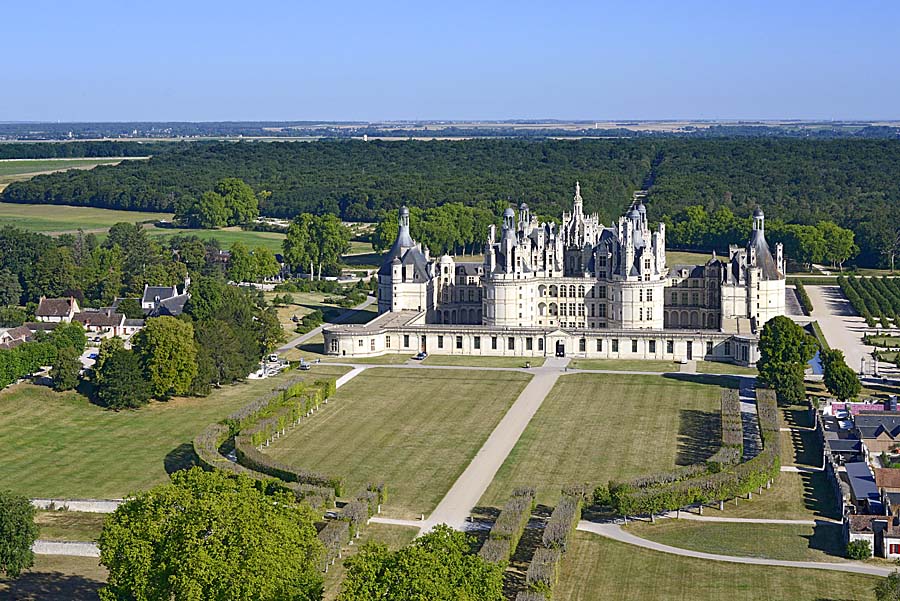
732 423
543 571
333 536
317 496
496 550
249 457
803 297
356 514
736 480
562 522
511 523
828 280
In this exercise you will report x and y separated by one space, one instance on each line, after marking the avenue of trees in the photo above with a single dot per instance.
854 182
874 298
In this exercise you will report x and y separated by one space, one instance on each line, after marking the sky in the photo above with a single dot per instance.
381 60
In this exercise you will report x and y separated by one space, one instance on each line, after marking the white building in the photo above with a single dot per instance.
583 288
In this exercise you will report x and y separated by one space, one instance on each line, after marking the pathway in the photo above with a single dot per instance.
615 532
297 340
456 506
840 324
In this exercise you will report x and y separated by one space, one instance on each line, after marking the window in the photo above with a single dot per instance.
651 346
641 295
406 341
649 295
728 349
581 291
615 345
601 292
592 310
582 345
493 343
372 345
684 298
649 313
476 342
528 343
580 310
459 342
360 342
540 344
511 343
640 315
601 310
634 346
387 342
562 290
562 310
571 290
572 309
709 347
440 342
599 345
670 346
646 264
334 345
894 549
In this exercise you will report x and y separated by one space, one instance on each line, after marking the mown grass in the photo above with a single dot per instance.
649 365
791 542
474 361
597 427
793 496
59 445
718 367
225 236
686 257
599 568
69 525
58 218
56 578
415 430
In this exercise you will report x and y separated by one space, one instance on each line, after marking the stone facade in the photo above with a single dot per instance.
580 284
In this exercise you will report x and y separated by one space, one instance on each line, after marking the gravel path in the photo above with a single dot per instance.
73 549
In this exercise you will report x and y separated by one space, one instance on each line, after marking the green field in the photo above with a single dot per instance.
822 542
717 367
793 496
59 445
625 365
472 361
597 427
225 236
18 170
598 568
58 218
684 257
69 525
415 430
56 578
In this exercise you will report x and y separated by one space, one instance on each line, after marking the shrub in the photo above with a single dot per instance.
562 522
496 550
804 299
543 571
859 549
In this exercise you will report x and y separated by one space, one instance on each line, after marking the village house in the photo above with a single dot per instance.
164 300
887 479
10 338
56 310
105 322
879 431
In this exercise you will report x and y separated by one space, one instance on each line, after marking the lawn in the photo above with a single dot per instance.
684 257
793 496
626 365
415 430
395 537
59 445
225 236
56 578
597 427
69 525
473 361
801 447
598 568
58 218
885 341
717 367
822 542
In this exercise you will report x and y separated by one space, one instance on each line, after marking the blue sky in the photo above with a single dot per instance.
374 60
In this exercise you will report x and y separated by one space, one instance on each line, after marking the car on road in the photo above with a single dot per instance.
304 365
421 356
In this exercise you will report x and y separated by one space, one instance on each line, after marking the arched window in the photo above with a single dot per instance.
572 291
581 292
562 290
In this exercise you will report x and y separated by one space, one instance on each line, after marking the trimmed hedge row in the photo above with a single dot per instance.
874 298
249 457
732 425
320 497
733 481
543 571
563 520
530 596
509 526
803 297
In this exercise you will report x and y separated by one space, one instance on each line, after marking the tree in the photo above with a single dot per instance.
167 354
439 566
209 212
231 356
240 201
121 382
265 263
211 535
241 267
839 378
839 244
11 317
66 369
10 289
17 534
298 243
330 240
887 589
70 334
108 348
52 275
131 308
784 350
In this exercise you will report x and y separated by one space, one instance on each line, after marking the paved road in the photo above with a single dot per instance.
456 506
615 532
293 342
840 324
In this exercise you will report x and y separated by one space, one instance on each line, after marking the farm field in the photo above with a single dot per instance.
598 427
225 236
598 568
59 445
58 218
21 169
415 430
822 542
472 361
625 365
57 578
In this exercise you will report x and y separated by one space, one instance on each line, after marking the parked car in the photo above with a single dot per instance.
304 365
421 356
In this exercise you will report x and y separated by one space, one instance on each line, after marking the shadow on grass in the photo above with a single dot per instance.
50 586
180 458
698 436
818 495
827 538
711 380
807 447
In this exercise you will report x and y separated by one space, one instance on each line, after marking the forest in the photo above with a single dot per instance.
853 182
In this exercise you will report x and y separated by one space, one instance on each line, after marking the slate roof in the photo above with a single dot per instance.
173 306
134 323
100 319
844 445
862 482
54 307
870 425
163 292
767 268
46 326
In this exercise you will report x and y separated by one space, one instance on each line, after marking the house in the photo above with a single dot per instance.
863 491
56 310
878 430
132 325
864 527
164 300
154 295
105 321
846 450
887 479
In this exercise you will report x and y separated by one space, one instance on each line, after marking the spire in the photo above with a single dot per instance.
578 201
